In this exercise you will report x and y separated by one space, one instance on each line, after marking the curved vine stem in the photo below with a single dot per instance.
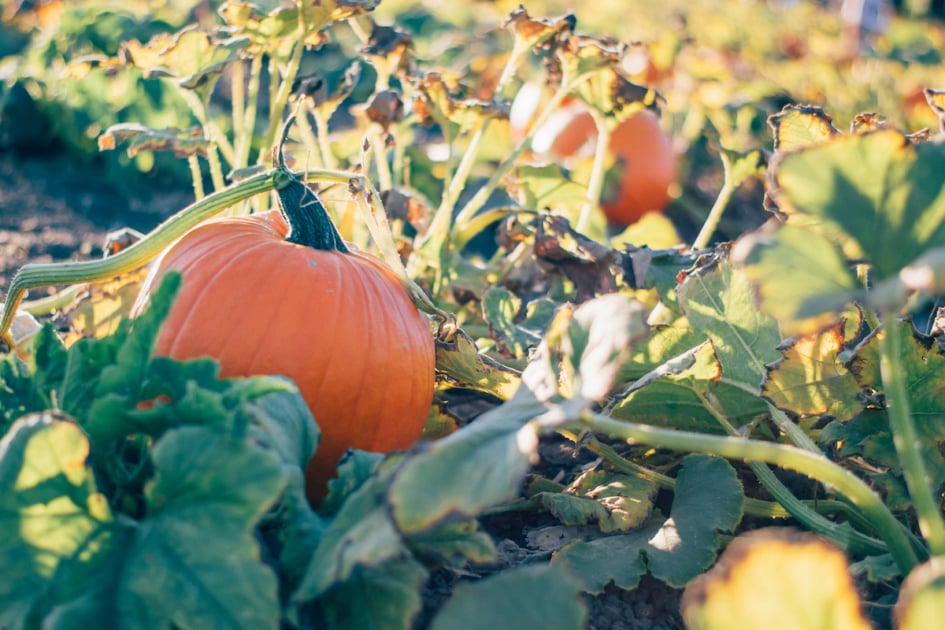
892 532
52 274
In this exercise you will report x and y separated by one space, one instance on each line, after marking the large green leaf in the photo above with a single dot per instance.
54 521
719 303
708 500
374 597
527 597
194 561
478 466
614 502
803 278
884 191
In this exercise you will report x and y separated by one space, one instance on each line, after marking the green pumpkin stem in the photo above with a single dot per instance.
309 223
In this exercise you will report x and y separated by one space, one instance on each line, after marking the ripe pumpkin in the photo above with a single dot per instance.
281 294
643 151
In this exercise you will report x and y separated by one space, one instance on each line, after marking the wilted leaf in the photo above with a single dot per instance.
183 143
587 263
191 56
274 26
438 102
811 380
537 32
708 499
801 126
775 578
802 278
611 501
527 597
460 361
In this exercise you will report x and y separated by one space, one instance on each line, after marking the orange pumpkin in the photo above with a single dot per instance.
339 324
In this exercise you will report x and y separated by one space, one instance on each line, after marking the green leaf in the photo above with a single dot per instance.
500 308
708 499
382 596
719 303
802 277
55 522
191 56
792 579
885 192
353 471
526 597
476 467
463 540
811 380
548 186
194 561
363 534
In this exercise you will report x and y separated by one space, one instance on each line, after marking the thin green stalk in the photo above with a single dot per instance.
238 108
281 96
595 184
54 302
214 137
846 538
906 439
321 128
312 148
711 224
384 177
244 141
197 176
892 532
753 507
52 274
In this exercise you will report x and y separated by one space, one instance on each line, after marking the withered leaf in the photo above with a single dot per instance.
539 31
183 143
584 261
800 126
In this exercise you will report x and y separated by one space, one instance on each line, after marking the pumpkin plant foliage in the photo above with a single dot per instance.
523 413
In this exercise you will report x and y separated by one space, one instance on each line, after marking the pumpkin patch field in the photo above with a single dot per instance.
471 315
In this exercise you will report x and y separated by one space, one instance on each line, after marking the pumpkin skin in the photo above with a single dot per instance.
338 324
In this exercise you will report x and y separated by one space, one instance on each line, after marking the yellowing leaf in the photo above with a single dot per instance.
774 579
799 126
921 602
811 380
99 308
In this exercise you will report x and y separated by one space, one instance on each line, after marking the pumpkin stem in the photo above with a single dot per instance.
309 223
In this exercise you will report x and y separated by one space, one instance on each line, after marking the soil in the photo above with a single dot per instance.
56 208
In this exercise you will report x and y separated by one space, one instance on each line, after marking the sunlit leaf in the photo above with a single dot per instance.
719 302
525 597
613 502
775 578
460 361
55 520
536 32
801 126
811 380
802 277
885 192
921 601
97 310
191 57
